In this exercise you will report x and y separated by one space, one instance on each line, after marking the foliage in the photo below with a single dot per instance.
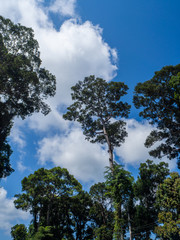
47 197
168 200
19 232
80 208
160 104
62 210
44 233
5 153
175 83
119 183
145 218
96 106
24 85
101 212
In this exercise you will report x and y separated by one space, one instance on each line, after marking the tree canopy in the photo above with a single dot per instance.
150 176
158 100
119 183
101 212
111 210
119 206
19 232
98 108
168 200
175 83
24 84
46 195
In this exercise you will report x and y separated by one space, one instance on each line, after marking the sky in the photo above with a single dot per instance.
117 40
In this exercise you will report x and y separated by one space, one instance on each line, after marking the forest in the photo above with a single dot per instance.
121 207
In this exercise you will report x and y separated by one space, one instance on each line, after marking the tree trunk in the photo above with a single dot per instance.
35 222
130 229
118 229
110 148
48 215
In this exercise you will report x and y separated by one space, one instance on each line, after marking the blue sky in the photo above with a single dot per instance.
122 40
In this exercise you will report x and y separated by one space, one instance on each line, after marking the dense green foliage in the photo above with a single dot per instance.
160 102
146 212
113 209
175 83
23 83
119 184
96 106
168 200
101 212
47 197
19 232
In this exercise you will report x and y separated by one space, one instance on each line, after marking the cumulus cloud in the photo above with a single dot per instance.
74 51
86 161
21 167
8 213
63 7
133 150
17 136
27 12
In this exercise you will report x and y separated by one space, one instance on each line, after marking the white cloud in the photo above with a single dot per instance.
86 161
27 12
63 7
133 150
9 215
17 136
21 167
73 52
43 123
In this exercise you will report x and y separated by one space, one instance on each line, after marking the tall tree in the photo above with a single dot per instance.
145 219
24 84
119 183
168 200
47 197
160 104
97 104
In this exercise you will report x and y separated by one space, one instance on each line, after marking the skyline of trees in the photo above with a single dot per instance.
119 208
60 208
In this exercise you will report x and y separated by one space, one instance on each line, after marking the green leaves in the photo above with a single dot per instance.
146 211
19 232
175 83
158 99
168 199
24 85
101 212
47 194
98 108
5 153
119 183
